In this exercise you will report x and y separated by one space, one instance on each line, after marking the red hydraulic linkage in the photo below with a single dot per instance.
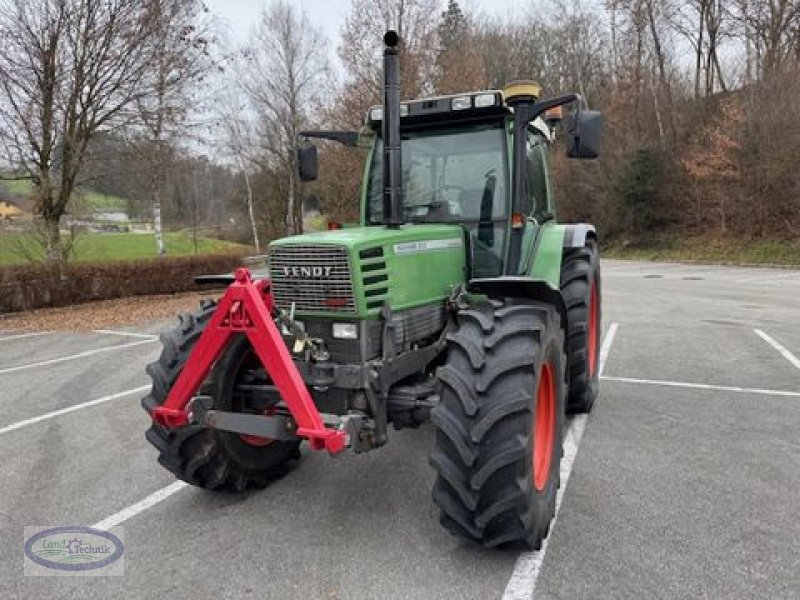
247 308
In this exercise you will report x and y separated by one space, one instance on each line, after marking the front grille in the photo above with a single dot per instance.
315 278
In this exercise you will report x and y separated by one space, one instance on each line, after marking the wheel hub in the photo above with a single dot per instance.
256 440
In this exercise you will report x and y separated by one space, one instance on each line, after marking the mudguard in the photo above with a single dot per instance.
512 286
576 234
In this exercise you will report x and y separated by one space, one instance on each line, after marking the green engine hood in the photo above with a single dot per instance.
405 267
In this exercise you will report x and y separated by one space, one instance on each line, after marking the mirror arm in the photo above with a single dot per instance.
346 138
536 109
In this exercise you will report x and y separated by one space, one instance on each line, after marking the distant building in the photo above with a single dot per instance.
11 210
113 216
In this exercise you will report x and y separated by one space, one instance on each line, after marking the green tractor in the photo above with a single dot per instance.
458 299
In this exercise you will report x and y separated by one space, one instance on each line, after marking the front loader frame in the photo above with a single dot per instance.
247 308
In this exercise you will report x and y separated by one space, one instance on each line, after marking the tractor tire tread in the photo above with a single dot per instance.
580 269
482 455
194 454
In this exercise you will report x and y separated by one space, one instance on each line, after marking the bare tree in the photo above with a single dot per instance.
283 72
68 70
415 23
179 52
238 135
775 28
655 20
715 19
508 50
579 49
703 24
459 59
612 7
569 54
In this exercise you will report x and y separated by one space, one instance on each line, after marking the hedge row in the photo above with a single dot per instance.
25 287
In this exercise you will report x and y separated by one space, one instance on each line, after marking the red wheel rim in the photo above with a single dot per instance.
255 440
593 323
544 427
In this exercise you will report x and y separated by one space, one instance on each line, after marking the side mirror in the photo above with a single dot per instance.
584 130
307 162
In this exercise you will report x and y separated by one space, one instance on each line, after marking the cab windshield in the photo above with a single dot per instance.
453 174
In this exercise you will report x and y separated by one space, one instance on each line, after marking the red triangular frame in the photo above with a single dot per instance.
246 308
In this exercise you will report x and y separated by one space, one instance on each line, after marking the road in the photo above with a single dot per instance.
683 482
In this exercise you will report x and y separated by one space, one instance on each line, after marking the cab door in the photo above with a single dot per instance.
537 203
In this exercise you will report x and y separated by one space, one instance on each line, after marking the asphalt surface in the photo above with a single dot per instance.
677 491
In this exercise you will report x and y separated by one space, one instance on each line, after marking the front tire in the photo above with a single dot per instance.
208 458
499 424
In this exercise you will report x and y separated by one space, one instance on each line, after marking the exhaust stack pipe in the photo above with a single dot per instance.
392 164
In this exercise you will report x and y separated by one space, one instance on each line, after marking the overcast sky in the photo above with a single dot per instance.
239 16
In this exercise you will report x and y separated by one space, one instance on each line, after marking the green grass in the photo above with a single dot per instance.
710 249
104 202
93 200
17 187
102 247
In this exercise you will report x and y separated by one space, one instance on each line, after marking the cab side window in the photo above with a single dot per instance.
537 196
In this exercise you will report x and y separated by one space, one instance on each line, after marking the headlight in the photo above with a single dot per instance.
484 100
461 103
345 331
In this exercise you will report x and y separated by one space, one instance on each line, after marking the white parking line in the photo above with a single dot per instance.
779 347
20 336
84 354
526 570
69 409
141 506
703 386
606 347
522 583
147 336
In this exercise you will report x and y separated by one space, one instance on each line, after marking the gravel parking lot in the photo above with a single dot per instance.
682 483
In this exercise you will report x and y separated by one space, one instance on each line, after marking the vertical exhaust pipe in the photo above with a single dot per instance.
392 163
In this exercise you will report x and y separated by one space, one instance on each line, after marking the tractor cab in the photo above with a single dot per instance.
462 162
456 168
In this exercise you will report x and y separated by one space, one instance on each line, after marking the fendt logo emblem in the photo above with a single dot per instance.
307 271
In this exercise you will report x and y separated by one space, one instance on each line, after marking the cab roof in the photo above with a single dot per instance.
455 107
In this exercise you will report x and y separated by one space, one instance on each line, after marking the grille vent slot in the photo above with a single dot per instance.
375 252
375 277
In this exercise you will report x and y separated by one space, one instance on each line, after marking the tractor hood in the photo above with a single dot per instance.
357 271
378 234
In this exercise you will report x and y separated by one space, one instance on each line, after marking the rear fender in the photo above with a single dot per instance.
546 254
521 287
576 235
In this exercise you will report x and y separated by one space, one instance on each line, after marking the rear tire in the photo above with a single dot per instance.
494 486
580 287
209 458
